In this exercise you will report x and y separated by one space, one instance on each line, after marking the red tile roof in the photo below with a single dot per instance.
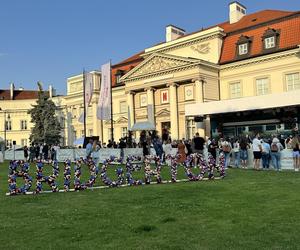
19 94
255 19
126 66
287 22
253 25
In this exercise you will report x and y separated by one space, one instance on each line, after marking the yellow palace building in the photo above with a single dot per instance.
235 77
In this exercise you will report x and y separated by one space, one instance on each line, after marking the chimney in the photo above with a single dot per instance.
236 12
12 88
173 32
51 91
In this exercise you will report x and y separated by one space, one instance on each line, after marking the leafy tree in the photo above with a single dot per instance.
46 125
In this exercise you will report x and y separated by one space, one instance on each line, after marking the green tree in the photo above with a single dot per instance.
46 125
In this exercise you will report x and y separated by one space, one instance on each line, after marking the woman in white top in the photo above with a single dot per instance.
236 150
257 149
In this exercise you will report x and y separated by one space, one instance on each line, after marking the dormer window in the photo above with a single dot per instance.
243 46
243 49
270 39
118 76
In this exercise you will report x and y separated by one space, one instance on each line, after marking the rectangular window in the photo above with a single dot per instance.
124 131
23 125
262 86
292 81
270 42
123 107
90 132
235 90
75 134
8 125
23 142
82 133
9 143
243 49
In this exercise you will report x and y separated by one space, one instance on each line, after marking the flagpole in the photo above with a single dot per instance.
111 106
84 106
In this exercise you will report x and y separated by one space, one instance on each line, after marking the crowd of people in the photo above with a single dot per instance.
266 150
43 152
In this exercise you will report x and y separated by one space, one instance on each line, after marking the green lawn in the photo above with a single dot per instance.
246 210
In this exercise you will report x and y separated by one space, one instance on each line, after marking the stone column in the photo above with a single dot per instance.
173 110
200 126
198 90
150 104
207 126
130 107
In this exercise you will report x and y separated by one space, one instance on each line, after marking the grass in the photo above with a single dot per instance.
246 210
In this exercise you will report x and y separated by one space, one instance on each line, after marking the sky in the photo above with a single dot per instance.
51 40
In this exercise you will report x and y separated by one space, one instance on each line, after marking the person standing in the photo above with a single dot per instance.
31 153
26 153
198 144
244 151
226 148
236 150
122 145
37 151
212 148
158 147
95 153
276 147
295 145
265 155
257 148
89 148
181 151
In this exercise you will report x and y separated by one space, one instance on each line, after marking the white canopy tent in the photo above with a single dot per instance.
278 100
139 126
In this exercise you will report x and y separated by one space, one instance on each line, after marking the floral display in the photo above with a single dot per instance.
67 175
14 173
131 166
150 172
221 165
174 165
50 180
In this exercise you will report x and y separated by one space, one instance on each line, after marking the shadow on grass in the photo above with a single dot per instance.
168 219
145 228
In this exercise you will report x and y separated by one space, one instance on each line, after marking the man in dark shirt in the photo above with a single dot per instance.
198 144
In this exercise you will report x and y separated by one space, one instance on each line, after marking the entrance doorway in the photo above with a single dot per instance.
165 130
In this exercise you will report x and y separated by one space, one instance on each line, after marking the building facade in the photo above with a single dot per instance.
236 77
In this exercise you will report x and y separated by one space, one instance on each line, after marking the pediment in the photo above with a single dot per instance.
163 112
122 120
157 63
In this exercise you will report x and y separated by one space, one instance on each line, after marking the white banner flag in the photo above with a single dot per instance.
88 92
104 103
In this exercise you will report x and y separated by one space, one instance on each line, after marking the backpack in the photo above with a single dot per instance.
274 147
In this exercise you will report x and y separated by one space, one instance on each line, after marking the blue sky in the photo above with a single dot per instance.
50 40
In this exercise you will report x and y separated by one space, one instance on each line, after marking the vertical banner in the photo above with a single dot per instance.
104 103
88 92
